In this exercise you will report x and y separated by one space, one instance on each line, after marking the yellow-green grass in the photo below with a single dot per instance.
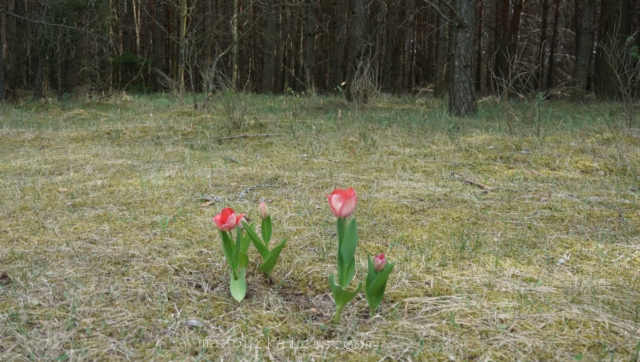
108 251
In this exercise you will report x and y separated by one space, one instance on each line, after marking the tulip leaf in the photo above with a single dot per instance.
227 248
270 262
238 246
341 295
262 249
266 230
350 242
238 285
348 271
380 282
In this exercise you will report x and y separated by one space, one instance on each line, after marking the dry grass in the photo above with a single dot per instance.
108 253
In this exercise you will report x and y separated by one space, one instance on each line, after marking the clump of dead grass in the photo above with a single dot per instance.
543 266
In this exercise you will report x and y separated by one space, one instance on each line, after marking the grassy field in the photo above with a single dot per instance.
108 253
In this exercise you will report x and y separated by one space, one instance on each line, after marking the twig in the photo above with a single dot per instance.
242 193
470 182
246 135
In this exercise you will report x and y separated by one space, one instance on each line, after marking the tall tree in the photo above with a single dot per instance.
310 41
268 56
462 92
584 48
441 57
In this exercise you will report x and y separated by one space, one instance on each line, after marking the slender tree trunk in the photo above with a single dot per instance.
584 48
552 46
358 34
398 46
440 87
389 48
126 26
183 43
269 47
340 36
310 42
280 36
158 42
3 62
462 94
235 47
543 45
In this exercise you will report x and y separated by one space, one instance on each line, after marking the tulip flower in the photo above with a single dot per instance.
342 202
376 282
235 253
227 220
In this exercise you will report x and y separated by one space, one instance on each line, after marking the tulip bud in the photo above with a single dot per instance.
242 219
263 210
379 263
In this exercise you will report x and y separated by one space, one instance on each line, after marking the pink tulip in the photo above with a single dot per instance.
342 202
379 262
263 210
227 220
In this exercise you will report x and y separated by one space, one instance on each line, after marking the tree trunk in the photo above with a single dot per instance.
462 94
158 43
3 62
543 45
183 43
338 48
584 48
390 41
310 42
441 57
235 45
358 28
552 46
269 47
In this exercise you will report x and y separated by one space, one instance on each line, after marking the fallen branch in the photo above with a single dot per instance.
470 182
246 135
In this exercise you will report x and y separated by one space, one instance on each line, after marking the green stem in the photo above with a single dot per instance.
336 319
372 312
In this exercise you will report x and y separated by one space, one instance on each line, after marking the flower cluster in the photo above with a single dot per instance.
342 204
236 252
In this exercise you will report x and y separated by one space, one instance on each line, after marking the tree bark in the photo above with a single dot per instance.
543 45
552 46
310 42
584 48
358 28
269 47
462 94
3 22
441 57
339 43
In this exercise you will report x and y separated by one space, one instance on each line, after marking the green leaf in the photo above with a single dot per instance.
238 285
350 242
266 230
348 271
380 282
341 295
262 249
238 246
227 248
271 261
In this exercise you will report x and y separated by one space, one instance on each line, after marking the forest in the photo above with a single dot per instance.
463 49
